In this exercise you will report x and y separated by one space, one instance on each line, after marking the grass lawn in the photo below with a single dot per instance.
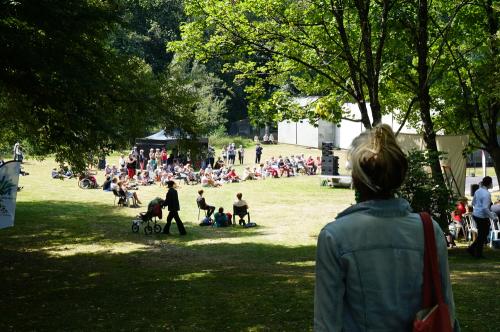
71 263
478 172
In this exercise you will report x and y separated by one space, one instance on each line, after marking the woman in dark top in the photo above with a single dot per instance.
131 167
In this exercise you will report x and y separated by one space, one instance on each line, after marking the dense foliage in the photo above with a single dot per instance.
422 191
72 84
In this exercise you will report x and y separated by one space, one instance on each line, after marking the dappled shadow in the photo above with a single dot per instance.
475 284
58 223
228 287
69 266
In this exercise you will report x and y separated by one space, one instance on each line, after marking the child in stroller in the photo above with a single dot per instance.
154 211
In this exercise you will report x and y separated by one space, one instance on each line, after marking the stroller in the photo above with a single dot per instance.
87 181
154 212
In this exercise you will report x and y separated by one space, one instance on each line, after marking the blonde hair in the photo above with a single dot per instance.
377 161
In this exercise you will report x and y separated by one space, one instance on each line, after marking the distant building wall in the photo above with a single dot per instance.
307 134
287 132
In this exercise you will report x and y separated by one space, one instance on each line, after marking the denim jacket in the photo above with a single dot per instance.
369 268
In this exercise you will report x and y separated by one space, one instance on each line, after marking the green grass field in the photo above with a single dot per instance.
71 263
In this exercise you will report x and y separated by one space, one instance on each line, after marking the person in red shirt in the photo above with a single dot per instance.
164 156
311 166
460 209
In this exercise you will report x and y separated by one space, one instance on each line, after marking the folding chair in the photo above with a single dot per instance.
495 229
241 212
199 210
457 227
470 227
122 199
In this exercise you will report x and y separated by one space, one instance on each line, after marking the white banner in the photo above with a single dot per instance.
9 179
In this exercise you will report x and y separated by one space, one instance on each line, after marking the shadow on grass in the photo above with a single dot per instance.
475 287
68 266
60 222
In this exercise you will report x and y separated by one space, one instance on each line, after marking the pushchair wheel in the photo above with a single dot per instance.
135 226
157 228
84 184
148 230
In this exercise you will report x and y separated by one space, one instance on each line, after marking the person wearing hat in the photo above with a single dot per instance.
258 153
172 201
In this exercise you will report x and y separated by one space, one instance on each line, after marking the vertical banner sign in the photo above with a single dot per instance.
9 178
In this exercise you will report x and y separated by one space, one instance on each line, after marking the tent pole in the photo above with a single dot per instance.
483 162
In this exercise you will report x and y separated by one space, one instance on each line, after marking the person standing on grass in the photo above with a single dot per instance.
172 201
481 204
258 153
369 261
18 154
241 154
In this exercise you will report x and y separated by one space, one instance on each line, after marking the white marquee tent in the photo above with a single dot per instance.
305 134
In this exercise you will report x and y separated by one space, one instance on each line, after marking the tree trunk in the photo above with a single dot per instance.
495 155
376 113
365 119
424 100
424 97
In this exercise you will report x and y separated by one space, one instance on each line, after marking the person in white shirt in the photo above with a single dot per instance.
481 214
240 209
240 202
122 162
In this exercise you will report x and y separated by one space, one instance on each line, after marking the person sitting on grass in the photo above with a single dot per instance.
248 174
220 218
56 175
231 176
106 186
311 166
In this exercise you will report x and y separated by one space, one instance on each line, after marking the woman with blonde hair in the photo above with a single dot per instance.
369 266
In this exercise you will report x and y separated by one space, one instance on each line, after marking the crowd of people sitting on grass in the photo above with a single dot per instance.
159 167
222 173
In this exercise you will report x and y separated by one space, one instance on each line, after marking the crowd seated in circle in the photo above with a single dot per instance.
158 167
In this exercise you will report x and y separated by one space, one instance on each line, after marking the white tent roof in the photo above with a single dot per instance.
160 136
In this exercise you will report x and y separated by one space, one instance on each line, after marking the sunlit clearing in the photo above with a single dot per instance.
466 275
304 263
78 249
193 276
235 240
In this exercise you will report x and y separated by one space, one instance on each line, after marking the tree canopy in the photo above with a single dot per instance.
66 87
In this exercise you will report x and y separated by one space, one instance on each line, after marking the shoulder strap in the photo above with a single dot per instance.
432 276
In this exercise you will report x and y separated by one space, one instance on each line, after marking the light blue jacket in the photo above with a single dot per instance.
369 269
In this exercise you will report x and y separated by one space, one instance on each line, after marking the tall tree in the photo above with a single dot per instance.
471 88
63 88
417 64
148 25
334 49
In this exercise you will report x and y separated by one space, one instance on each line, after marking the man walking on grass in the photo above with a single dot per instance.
172 201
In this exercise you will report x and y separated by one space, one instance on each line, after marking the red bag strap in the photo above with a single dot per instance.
432 276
